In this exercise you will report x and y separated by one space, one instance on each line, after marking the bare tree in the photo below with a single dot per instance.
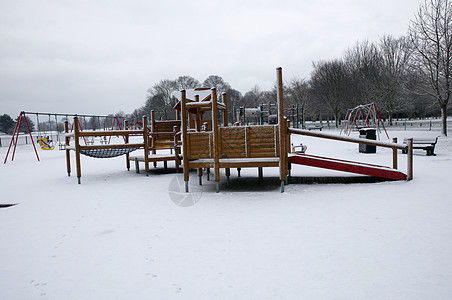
186 82
394 57
253 97
363 62
329 82
431 37
164 89
215 81
234 98
298 93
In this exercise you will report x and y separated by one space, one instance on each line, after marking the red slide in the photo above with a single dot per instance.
346 166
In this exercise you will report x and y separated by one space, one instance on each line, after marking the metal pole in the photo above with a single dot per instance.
17 136
12 141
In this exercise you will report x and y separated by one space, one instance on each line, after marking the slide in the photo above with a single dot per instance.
346 166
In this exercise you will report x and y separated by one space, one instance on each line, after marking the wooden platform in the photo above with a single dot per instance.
236 162
346 166
154 157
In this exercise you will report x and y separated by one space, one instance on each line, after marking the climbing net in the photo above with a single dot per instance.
107 153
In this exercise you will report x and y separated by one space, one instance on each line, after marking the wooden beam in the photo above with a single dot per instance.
347 139
115 146
410 159
216 142
394 155
225 112
153 128
184 138
68 154
126 127
107 133
146 143
77 149
282 144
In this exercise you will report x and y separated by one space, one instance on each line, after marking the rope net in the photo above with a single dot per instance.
107 153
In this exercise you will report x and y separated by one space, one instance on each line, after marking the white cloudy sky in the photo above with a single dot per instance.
100 56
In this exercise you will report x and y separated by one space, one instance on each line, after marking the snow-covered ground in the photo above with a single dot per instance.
122 235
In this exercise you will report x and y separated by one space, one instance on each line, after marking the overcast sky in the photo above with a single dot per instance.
100 56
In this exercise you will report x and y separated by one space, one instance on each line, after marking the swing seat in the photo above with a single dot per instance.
45 144
47 147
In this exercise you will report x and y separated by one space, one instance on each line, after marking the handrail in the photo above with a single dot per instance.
348 139
106 133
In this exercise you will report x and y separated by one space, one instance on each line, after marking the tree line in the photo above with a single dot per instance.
407 76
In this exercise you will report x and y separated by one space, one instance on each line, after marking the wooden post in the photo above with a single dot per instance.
394 155
198 115
77 149
176 147
216 142
200 176
282 139
137 166
178 115
287 149
68 154
410 159
225 124
184 138
228 174
225 112
153 137
192 121
146 144
126 140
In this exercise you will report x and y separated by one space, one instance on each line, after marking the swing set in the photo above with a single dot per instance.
363 116
47 132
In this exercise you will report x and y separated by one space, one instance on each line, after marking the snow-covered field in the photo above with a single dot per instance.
121 235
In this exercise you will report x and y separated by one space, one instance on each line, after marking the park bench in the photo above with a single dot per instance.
315 126
427 144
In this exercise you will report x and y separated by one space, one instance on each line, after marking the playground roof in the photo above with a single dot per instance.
203 93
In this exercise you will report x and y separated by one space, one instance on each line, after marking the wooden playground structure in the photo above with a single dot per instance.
201 138
225 147
103 150
158 137
259 146
163 135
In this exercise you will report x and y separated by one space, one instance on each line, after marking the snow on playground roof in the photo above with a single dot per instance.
203 93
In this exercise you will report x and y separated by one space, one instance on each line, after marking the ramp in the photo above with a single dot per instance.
346 166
